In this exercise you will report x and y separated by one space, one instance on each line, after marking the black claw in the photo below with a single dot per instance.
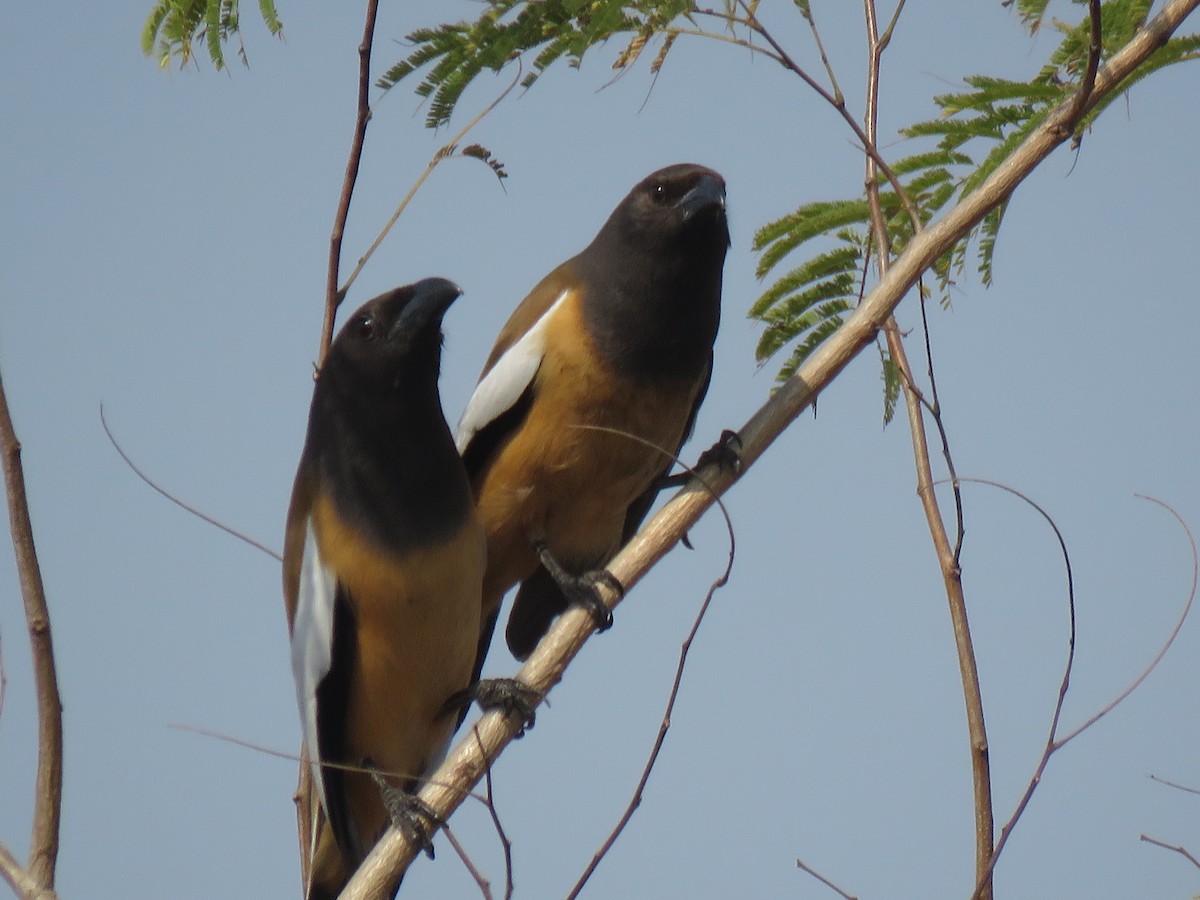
582 590
410 815
726 453
511 696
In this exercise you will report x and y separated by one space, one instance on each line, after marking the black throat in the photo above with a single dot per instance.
653 311
387 458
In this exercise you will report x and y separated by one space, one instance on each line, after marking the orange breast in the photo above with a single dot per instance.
587 449
417 621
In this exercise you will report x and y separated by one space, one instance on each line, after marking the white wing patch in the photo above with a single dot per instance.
506 381
312 643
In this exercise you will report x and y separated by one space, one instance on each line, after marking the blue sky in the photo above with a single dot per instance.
164 238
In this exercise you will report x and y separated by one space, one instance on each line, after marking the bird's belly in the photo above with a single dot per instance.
416 625
587 450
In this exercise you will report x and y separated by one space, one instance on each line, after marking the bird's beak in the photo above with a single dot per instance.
708 193
430 300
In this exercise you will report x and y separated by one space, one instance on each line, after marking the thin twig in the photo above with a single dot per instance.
1095 47
485 887
1053 742
947 555
833 82
182 504
804 867
443 153
3 679
47 809
1182 851
334 297
934 405
1137 682
1176 785
505 842
665 724
468 760
839 105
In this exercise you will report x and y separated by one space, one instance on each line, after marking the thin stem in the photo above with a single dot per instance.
47 810
804 867
334 297
947 556
1182 851
665 723
443 153
185 506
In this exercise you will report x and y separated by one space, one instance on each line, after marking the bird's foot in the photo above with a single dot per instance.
509 695
410 815
582 590
725 454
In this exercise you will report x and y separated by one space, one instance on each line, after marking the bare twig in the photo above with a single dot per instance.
485 887
1176 785
505 843
839 104
1182 851
665 724
3 680
47 809
334 297
1137 682
804 867
1084 92
182 504
468 760
947 555
1053 742
443 153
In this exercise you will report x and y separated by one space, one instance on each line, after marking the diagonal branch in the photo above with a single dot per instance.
467 762
43 845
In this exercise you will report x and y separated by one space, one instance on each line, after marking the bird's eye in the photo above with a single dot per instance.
364 326
659 193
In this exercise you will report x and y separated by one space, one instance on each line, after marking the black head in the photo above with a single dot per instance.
391 338
653 274
680 205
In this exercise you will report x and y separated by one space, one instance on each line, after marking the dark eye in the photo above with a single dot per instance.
659 194
364 326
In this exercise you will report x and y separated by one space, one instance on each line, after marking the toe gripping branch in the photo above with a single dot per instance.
725 454
410 815
582 590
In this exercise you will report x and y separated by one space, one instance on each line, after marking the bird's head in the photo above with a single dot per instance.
395 336
681 206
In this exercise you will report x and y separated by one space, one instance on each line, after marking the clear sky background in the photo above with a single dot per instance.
163 241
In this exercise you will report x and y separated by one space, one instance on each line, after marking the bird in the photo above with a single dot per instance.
593 384
382 573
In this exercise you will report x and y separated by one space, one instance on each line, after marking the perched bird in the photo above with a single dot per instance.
382 574
607 359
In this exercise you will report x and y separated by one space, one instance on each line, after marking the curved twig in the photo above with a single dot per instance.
665 724
443 153
185 506
1053 742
